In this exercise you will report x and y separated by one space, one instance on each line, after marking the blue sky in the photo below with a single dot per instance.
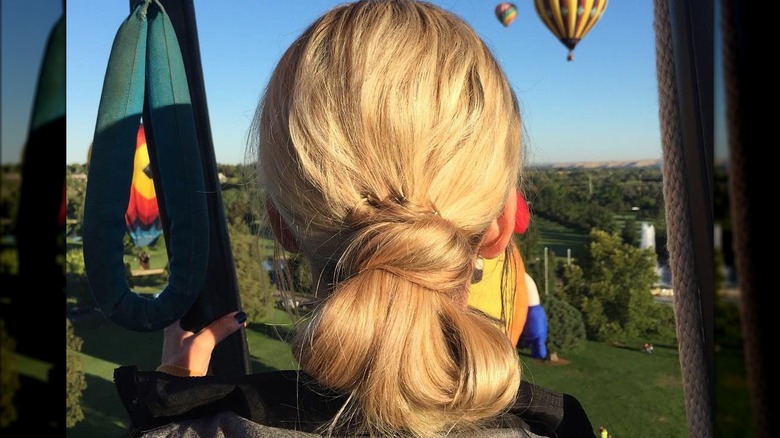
601 106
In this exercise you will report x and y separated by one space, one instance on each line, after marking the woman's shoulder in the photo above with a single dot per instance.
289 403
222 425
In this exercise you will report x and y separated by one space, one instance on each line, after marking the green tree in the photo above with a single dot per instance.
588 198
611 288
565 327
528 242
236 201
9 261
254 285
75 382
300 271
628 233
76 190
76 283
76 168
9 377
9 193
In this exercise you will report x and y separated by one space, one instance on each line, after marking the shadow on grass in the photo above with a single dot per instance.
626 346
36 409
106 340
157 282
258 366
104 415
637 347
666 346
273 331
526 354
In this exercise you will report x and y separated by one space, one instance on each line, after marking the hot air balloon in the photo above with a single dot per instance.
143 215
524 317
534 333
570 20
506 13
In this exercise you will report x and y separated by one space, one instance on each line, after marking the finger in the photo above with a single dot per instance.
174 331
223 327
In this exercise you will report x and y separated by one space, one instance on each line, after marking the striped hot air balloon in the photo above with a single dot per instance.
570 20
506 13
143 215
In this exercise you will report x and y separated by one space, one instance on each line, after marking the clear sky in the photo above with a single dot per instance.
603 105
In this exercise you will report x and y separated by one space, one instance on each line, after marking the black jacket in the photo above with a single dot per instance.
291 404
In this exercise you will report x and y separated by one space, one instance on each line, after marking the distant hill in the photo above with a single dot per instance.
601 164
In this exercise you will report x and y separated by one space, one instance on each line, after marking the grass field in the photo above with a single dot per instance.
560 238
633 394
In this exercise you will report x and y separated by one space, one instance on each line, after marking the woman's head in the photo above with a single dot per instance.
388 144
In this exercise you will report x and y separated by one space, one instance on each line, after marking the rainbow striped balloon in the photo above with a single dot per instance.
143 215
506 13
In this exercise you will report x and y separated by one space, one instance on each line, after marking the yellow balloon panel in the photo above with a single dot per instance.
143 184
511 306
570 20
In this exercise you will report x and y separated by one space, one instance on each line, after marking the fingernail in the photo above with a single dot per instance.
240 317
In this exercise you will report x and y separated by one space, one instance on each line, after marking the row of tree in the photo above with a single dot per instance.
584 199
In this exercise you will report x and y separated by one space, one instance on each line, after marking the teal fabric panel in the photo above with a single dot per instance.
145 65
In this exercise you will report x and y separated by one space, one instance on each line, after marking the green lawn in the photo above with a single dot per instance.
560 238
629 392
31 367
158 257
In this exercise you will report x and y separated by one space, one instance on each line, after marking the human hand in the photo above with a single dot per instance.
186 350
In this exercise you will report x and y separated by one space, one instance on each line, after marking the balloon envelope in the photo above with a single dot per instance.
143 215
570 20
506 13
503 295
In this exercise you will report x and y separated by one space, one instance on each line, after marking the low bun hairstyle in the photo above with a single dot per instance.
388 139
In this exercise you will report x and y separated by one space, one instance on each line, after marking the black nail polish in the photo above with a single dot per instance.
240 317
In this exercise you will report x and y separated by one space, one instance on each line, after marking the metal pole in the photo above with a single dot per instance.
545 270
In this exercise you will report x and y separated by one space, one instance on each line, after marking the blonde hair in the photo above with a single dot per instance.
388 140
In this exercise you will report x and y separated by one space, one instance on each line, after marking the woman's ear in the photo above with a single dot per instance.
500 231
281 230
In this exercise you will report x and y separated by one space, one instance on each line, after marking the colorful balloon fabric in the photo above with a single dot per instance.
485 295
506 13
523 215
570 20
143 215
62 215
534 333
524 319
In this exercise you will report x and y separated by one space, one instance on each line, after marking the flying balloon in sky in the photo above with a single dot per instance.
570 20
506 13
143 215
